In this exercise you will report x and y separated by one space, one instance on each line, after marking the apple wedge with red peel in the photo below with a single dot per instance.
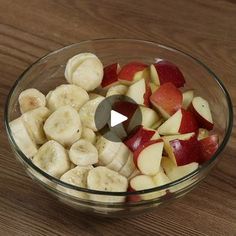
180 123
187 98
139 137
139 92
167 143
200 108
110 75
167 99
148 157
185 151
208 146
174 172
167 72
132 72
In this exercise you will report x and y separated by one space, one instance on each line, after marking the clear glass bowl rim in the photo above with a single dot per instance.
163 187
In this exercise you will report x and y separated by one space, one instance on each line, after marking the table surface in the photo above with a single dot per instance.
31 28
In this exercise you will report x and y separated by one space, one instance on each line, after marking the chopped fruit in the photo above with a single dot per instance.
142 182
176 172
208 146
180 123
148 157
154 76
133 198
200 108
110 76
149 118
167 143
153 87
139 137
161 178
127 109
167 72
202 133
140 92
187 98
185 151
132 72
167 99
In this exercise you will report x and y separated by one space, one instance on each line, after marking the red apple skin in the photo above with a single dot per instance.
132 198
169 72
128 71
188 123
168 97
147 94
110 76
203 123
208 146
186 151
141 148
138 138
127 109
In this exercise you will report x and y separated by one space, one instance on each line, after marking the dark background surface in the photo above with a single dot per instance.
31 28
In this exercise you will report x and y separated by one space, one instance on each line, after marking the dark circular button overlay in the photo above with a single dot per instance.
116 116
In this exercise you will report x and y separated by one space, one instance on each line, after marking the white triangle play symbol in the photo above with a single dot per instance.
117 118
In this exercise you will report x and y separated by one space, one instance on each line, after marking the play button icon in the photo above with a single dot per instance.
118 115
117 118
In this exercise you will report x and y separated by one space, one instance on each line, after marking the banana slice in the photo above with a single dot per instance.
34 121
103 179
83 153
22 138
78 177
52 158
129 167
63 125
67 94
107 149
30 99
87 113
119 89
120 158
89 135
84 70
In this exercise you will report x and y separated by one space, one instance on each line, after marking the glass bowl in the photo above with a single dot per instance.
48 72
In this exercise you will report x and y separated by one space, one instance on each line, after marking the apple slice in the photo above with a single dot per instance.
187 98
166 72
168 146
158 123
149 118
200 108
142 182
110 75
208 146
167 99
140 92
161 178
180 123
148 157
185 151
132 72
176 172
138 137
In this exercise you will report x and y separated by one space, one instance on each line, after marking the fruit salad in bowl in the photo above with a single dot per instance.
118 127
